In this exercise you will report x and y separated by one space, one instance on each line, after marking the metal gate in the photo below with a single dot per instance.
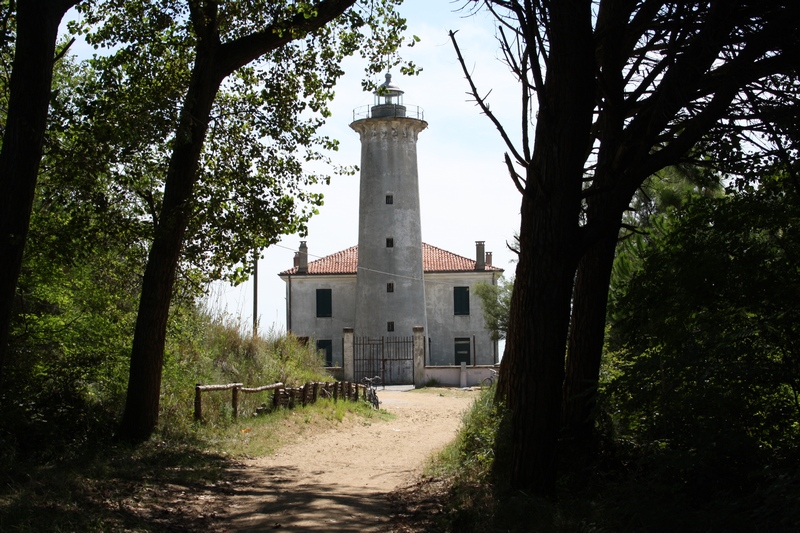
391 358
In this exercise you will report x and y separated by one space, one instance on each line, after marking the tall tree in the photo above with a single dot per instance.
623 88
36 23
225 38
667 189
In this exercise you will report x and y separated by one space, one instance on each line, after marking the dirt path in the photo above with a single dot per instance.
339 479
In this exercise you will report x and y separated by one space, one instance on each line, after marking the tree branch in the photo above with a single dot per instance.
484 107
61 53
239 52
782 152
518 180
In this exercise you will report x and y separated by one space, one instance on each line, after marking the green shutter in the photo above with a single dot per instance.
462 350
461 300
324 303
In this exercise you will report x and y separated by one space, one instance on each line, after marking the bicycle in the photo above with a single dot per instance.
371 394
489 381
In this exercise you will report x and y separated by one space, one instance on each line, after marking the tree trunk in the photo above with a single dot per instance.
28 103
147 353
604 210
533 365
532 373
213 63
586 338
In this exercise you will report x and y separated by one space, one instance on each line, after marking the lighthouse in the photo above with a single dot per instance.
390 291
392 306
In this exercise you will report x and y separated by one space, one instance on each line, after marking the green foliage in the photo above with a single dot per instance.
473 450
705 331
76 297
478 497
702 373
262 148
68 369
668 190
496 302
698 387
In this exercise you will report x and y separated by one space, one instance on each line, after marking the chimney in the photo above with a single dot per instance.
297 259
488 259
480 262
302 263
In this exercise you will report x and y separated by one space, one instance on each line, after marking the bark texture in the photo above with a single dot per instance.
585 348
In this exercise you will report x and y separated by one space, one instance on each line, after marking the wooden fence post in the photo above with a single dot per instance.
235 400
198 403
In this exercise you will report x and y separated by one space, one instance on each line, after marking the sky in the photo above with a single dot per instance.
465 192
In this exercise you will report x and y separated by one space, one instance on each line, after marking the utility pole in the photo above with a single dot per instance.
255 295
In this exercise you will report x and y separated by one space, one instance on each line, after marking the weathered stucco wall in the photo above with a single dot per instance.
389 169
444 326
301 302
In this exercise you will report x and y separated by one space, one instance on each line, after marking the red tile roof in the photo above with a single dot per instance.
433 260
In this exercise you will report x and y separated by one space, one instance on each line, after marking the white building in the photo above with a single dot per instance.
321 303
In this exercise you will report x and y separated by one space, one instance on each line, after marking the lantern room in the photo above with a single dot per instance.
388 100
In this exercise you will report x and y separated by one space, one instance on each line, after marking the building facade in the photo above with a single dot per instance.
321 303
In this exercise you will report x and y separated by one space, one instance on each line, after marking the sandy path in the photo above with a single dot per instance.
338 480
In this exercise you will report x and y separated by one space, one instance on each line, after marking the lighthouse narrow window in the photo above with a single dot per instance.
389 242
390 287
390 326
389 199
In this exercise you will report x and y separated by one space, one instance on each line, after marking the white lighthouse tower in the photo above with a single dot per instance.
390 292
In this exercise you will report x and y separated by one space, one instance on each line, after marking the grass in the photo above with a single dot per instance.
261 435
170 483
61 469
629 489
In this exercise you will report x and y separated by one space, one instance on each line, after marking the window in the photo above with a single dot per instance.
389 199
390 326
324 303
389 242
326 346
462 350
461 300
390 287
